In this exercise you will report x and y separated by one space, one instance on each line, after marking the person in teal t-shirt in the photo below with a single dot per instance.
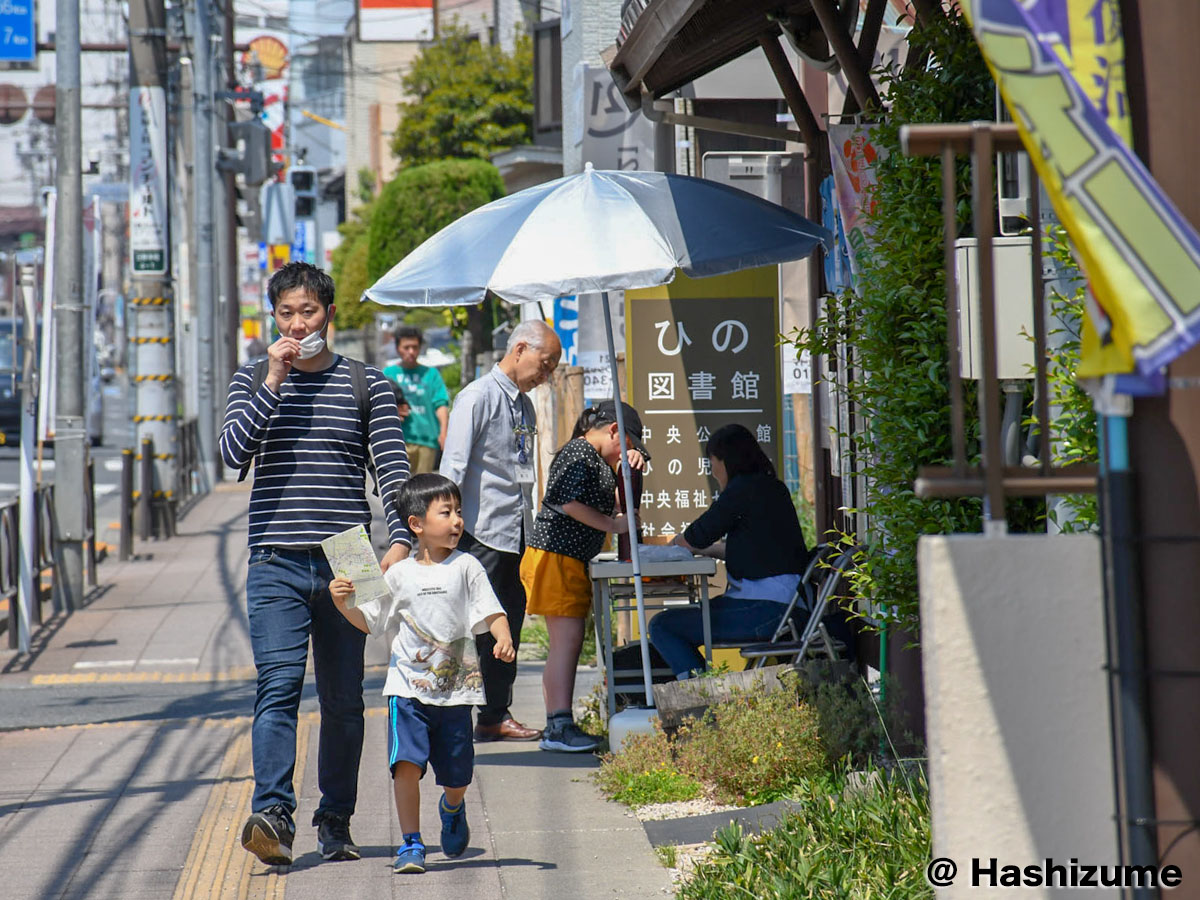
428 399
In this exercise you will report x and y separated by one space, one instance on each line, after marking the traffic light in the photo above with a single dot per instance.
254 162
303 180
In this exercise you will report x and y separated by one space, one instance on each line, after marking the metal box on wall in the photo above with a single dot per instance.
774 176
1012 264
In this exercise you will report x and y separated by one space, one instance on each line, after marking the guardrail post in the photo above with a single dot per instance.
146 497
126 548
9 516
90 522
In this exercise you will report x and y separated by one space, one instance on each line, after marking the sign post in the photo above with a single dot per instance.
702 355
18 33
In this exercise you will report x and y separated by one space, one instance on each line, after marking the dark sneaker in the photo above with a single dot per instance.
268 835
455 833
333 837
410 859
568 738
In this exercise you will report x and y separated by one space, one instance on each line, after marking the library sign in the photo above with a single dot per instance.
702 354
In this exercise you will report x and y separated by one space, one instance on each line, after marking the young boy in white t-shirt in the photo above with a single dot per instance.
441 599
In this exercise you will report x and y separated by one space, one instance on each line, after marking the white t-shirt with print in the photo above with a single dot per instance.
431 620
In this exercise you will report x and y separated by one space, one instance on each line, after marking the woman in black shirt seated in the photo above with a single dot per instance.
763 549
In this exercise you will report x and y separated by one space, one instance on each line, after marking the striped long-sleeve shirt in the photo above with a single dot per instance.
309 469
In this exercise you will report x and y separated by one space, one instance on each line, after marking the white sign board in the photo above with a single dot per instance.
797 373
591 342
613 137
395 20
148 180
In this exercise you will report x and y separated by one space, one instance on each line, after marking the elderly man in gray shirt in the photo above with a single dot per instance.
489 454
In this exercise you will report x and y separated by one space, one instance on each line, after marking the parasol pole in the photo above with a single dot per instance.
634 553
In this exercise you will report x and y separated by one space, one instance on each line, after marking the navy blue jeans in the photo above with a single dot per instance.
678 633
287 599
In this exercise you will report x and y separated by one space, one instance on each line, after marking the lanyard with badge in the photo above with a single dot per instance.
523 434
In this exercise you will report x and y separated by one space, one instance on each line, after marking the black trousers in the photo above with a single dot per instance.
504 572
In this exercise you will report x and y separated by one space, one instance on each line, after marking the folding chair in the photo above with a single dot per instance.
817 587
804 597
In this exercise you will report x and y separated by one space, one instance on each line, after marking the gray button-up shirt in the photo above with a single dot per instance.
480 456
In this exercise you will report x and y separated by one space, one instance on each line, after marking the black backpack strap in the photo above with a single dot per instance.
362 397
257 376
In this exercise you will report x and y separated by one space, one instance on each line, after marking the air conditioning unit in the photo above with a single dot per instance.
774 176
1012 262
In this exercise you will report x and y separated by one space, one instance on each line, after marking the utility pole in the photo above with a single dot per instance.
225 222
149 317
70 436
1164 446
203 181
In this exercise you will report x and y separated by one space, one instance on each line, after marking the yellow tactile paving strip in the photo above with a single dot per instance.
237 673
241 673
217 868
216 865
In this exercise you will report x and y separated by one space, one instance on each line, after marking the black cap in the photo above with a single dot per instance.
607 412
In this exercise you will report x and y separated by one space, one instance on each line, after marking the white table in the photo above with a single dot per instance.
613 591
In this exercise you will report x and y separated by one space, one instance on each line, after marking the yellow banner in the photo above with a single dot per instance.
1059 65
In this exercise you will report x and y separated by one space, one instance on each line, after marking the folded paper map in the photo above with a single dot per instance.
351 556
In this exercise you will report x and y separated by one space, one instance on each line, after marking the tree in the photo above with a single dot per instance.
418 203
470 99
349 261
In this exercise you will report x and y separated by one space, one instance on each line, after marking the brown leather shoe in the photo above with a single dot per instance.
508 730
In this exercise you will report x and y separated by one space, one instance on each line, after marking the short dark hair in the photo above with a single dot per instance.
416 494
737 448
409 331
398 393
301 275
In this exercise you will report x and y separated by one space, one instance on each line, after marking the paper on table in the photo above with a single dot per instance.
351 556
657 553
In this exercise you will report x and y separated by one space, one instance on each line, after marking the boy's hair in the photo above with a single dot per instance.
398 393
301 275
416 494
406 332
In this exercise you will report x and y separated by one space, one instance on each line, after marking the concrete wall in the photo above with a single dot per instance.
1016 698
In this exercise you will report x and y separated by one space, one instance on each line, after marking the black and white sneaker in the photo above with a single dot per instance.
333 837
567 738
268 835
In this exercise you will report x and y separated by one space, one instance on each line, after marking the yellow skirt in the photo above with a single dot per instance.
555 585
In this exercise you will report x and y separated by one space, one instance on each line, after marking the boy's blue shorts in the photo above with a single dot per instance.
438 735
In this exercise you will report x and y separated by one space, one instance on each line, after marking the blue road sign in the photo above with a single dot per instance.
18 34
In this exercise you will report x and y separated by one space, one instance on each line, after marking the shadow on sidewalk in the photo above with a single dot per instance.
41 639
536 759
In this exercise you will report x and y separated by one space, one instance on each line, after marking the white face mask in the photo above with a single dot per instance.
312 345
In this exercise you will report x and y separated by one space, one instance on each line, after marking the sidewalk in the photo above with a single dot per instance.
151 805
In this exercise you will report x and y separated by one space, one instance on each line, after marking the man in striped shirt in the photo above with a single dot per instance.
303 428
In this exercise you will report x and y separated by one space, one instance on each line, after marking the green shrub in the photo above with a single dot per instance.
896 326
753 748
840 845
645 772
1074 426
421 201
857 727
593 712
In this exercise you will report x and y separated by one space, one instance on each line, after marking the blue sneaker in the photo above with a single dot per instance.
455 833
410 859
